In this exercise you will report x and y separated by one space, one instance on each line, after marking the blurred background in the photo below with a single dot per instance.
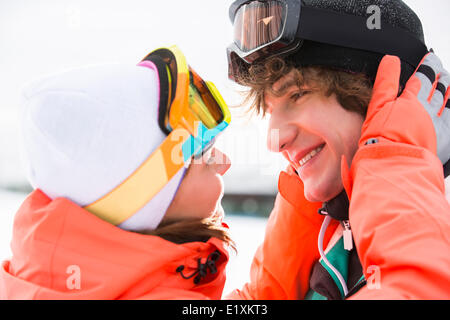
48 36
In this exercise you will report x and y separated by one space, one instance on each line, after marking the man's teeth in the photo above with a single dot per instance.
310 155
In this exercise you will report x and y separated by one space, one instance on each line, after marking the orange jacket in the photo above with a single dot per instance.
282 265
400 222
61 251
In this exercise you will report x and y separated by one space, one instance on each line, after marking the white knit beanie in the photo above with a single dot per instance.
85 131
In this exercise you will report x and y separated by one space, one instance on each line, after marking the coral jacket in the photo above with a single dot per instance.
61 251
400 220
282 264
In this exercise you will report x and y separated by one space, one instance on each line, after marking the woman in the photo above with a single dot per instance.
114 213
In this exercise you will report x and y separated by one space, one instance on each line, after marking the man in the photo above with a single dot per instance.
361 111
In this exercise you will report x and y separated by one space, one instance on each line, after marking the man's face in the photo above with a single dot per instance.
314 132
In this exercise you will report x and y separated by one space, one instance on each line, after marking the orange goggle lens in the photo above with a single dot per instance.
257 24
190 98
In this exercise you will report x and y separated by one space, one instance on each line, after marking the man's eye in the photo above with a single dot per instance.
297 95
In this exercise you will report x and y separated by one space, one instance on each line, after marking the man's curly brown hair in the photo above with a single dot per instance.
352 90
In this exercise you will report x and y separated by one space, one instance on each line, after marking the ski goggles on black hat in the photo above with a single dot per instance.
279 27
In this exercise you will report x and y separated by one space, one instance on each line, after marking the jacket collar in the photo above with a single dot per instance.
337 208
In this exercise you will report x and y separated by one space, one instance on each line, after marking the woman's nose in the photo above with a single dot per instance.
220 161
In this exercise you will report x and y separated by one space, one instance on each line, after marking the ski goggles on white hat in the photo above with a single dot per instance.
278 27
191 112
187 98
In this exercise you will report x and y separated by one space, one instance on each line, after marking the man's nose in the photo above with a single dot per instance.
279 134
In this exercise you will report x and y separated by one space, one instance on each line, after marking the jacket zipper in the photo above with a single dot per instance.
347 235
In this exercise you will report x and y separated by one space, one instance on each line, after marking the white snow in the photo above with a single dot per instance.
248 233
9 203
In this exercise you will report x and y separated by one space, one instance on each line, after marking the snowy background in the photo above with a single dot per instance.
47 36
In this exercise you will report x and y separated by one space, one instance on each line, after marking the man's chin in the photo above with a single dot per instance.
312 198
318 194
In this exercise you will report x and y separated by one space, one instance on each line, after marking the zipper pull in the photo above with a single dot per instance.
347 234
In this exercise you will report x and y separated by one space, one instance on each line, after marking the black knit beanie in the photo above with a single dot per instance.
393 12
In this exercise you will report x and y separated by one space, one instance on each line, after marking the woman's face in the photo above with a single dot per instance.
314 131
201 190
